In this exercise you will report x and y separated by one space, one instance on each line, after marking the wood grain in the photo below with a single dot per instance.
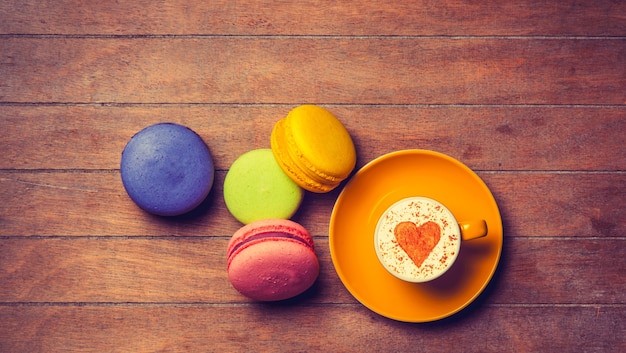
249 17
394 70
530 94
85 204
276 328
193 270
483 137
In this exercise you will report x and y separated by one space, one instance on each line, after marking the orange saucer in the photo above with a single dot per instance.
377 186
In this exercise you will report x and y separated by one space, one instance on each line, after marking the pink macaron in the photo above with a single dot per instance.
272 259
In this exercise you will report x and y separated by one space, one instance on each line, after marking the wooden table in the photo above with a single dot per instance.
529 94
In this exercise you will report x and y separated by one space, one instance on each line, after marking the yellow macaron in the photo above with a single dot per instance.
313 148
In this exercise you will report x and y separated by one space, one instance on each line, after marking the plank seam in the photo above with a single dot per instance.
288 104
209 304
308 36
479 171
35 237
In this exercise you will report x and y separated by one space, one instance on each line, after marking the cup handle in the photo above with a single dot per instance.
473 229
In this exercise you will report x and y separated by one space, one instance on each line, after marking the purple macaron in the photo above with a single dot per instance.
167 169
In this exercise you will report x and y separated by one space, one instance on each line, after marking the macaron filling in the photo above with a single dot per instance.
299 172
267 235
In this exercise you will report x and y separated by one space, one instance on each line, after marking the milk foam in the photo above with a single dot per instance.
418 210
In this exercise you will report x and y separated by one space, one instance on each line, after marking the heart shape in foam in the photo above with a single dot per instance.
417 242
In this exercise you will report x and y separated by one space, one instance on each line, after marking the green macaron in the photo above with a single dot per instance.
256 188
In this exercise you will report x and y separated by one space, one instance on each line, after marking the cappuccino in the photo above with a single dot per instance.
417 239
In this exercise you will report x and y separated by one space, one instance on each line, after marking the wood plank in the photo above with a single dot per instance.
276 328
560 270
85 204
361 70
187 270
387 17
97 204
483 137
560 204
